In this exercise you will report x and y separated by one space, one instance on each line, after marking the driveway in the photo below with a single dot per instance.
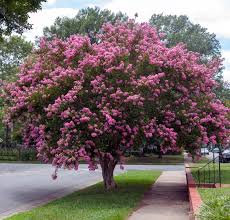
213 155
23 186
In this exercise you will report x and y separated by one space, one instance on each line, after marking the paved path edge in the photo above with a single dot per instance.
195 200
166 199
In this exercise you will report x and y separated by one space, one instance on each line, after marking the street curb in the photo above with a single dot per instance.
195 200
53 196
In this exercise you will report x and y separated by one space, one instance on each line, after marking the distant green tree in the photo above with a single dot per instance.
180 29
13 50
223 90
197 39
88 21
14 15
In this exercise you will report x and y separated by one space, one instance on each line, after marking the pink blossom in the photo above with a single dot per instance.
94 135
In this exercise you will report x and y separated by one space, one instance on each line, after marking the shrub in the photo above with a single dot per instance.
28 155
18 154
216 208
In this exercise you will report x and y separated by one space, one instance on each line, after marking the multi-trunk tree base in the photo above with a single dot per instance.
107 166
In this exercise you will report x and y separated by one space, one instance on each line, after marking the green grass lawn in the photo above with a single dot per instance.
225 173
93 203
203 160
216 204
153 159
208 193
215 200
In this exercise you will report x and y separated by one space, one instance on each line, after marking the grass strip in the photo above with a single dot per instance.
94 203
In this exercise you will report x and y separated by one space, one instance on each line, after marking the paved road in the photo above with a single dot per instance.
23 186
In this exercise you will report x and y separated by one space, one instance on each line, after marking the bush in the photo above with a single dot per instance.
17 154
28 155
216 208
8 154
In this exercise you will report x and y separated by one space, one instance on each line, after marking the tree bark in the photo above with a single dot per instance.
107 166
7 136
160 155
159 152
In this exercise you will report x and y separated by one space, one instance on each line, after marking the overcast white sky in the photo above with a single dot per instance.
212 14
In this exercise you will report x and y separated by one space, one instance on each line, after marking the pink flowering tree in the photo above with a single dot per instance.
81 101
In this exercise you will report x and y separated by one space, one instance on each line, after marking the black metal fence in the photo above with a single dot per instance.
210 173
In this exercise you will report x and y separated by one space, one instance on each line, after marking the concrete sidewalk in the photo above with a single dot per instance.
166 200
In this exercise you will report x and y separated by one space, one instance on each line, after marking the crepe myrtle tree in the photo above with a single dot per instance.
81 101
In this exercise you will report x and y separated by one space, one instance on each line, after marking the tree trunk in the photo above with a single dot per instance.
107 166
159 152
7 136
160 155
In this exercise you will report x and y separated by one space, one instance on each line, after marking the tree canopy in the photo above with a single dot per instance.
14 15
13 50
222 91
196 38
88 22
180 29
77 100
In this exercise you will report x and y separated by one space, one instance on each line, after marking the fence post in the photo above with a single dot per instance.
219 171
204 176
214 169
209 174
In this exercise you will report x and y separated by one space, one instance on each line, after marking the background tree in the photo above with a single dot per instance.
77 100
88 22
222 90
180 29
13 50
14 15
196 38
2 126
